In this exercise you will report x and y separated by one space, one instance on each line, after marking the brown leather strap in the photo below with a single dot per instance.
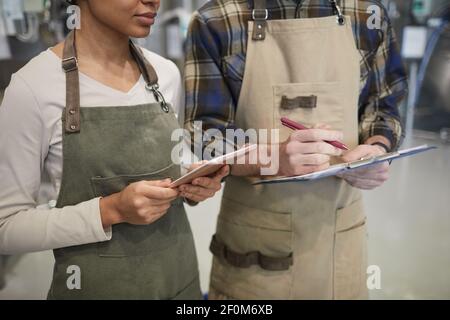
246 260
149 74
305 102
147 70
70 67
260 15
338 12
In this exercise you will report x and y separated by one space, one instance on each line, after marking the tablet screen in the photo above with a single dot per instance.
212 166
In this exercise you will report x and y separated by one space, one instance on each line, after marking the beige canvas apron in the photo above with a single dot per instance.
303 240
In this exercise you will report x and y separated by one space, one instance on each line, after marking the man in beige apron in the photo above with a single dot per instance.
294 240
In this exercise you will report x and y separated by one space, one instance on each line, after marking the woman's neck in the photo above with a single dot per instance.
97 42
104 54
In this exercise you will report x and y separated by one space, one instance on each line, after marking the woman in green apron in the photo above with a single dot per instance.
100 127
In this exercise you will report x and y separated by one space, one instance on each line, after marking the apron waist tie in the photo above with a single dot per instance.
240 260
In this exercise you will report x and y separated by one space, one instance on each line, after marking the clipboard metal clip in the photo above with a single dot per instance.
359 163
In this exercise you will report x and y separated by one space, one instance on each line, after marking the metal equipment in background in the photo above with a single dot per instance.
27 27
426 49
432 100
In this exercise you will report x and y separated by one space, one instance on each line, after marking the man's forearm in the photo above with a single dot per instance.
255 161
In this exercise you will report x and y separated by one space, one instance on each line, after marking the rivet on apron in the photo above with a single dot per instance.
259 14
72 127
71 111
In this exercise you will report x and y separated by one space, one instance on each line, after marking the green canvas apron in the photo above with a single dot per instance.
104 150
300 240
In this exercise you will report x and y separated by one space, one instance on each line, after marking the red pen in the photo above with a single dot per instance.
297 126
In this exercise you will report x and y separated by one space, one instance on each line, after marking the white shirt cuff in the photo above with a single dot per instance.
101 233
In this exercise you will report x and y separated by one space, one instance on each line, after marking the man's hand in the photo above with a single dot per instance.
306 150
366 178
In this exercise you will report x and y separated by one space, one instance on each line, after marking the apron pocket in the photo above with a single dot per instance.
309 104
350 253
138 240
190 292
266 239
253 236
103 187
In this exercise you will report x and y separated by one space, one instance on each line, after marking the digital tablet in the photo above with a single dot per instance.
212 166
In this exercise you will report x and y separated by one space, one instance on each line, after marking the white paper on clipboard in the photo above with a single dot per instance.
212 166
342 167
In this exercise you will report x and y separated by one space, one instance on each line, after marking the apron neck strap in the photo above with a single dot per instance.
260 15
70 67
149 74
147 70
338 12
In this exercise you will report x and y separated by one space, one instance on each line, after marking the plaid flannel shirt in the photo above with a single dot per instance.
215 61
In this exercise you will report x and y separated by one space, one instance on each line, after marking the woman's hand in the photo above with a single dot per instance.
140 203
366 178
205 187
306 150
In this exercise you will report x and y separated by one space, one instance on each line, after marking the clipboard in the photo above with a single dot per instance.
343 167
212 166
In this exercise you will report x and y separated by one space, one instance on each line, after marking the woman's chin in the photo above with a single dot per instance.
139 32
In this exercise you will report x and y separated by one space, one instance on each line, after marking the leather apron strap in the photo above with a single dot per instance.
70 67
241 260
260 14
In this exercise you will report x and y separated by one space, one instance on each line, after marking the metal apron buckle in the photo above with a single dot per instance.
337 10
158 96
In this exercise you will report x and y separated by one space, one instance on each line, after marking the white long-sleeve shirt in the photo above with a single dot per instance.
31 149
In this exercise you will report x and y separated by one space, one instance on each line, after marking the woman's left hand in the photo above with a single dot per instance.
205 187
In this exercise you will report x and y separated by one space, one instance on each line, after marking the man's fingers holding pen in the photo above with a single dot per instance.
295 147
309 159
306 151
311 135
322 126
306 169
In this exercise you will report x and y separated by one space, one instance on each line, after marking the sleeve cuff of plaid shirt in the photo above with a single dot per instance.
387 126
394 140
